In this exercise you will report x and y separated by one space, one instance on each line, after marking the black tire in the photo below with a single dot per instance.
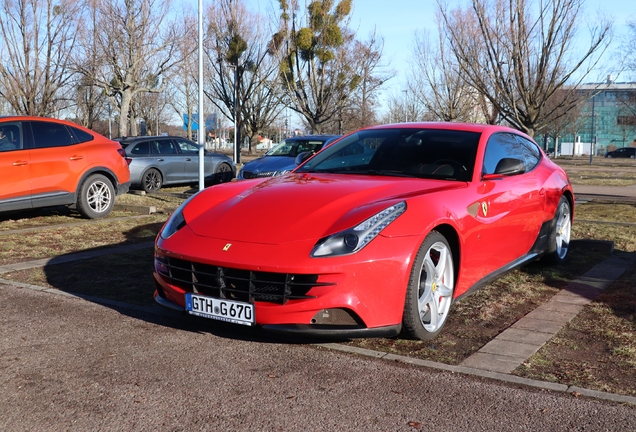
432 280
560 230
152 181
223 173
96 197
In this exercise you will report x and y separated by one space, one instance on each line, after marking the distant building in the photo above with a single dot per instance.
613 109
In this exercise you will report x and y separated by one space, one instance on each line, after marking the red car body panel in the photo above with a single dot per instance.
272 225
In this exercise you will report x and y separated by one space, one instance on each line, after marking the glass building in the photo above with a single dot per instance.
608 119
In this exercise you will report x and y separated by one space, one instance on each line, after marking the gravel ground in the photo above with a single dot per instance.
70 364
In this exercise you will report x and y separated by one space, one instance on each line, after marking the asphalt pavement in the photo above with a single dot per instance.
68 363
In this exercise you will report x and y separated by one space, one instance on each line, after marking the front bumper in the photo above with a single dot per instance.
357 293
313 330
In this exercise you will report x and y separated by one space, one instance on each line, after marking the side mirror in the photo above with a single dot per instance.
302 157
507 167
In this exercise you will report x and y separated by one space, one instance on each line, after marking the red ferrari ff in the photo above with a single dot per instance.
376 234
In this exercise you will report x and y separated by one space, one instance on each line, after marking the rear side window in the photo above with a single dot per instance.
507 145
142 148
187 147
47 135
11 136
81 135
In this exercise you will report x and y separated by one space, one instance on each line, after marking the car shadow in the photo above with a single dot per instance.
120 277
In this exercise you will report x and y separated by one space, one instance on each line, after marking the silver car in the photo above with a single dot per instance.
165 160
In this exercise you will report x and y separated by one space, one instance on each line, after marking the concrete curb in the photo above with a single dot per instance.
497 376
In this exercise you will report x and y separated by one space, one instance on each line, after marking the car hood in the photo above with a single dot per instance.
270 163
299 207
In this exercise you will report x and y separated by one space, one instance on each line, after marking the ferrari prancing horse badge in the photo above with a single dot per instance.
484 208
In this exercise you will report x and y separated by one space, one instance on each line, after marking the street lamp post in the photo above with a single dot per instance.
237 147
406 118
201 132
592 137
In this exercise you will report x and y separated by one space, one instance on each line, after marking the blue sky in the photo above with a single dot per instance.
397 21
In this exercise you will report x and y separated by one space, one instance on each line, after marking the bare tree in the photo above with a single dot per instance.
437 82
519 53
319 69
562 123
364 102
137 47
37 38
91 102
182 89
244 68
629 48
403 106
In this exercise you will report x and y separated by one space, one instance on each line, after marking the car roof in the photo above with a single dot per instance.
49 119
135 138
314 137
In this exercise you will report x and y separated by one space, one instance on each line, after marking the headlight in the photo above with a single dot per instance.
352 240
176 221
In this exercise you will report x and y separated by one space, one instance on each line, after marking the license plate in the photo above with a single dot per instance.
220 309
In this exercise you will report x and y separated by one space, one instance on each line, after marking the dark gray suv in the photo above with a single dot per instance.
166 160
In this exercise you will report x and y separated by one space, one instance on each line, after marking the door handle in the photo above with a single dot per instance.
160 159
77 157
188 159
20 163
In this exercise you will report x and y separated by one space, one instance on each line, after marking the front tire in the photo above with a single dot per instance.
560 231
96 197
151 181
430 291
223 173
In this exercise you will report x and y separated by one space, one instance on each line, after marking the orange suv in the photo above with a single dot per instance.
47 162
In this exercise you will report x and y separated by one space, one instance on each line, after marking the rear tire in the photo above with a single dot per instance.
430 291
96 197
151 180
560 230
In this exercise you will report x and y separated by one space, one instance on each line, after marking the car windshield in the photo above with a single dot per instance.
292 147
403 152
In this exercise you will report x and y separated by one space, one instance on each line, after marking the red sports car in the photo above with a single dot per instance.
377 233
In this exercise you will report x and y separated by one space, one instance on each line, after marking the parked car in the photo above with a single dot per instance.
281 159
156 161
624 152
47 162
377 233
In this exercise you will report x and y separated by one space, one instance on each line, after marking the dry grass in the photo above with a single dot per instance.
597 349
59 240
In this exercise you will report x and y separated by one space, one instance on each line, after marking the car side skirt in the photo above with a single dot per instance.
538 249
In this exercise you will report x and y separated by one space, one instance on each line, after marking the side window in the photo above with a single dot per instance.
500 146
47 135
141 148
11 136
166 147
81 135
187 147
505 145
531 153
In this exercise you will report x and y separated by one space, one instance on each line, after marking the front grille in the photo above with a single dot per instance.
235 284
252 175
